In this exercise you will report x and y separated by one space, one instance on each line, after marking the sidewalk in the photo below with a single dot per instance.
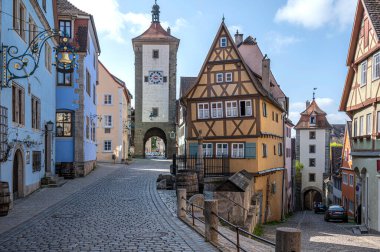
28 207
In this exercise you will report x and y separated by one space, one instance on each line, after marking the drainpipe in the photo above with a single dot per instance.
283 171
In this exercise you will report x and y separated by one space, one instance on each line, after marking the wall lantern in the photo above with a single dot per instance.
172 134
49 126
59 130
22 65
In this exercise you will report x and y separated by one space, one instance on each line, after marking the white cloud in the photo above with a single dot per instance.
314 14
110 21
278 42
339 117
234 28
324 103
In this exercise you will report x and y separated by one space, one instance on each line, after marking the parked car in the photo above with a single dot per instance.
336 212
319 207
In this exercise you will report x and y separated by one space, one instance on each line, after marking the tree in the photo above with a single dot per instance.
299 167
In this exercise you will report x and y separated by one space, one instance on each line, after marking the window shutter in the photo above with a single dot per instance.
250 150
146 79
193 149
22 121
38 121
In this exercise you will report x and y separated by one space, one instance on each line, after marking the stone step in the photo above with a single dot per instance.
53 181
358 230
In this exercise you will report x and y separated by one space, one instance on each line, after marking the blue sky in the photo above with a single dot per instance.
306 40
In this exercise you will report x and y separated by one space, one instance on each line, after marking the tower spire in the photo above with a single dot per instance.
314 93
155 12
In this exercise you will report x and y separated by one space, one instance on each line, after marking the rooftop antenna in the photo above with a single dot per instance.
314 93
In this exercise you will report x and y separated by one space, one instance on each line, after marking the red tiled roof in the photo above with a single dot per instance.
66 8
321 120
155 31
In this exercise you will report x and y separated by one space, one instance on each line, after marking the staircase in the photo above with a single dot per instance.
52 181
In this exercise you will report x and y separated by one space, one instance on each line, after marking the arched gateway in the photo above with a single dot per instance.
155 86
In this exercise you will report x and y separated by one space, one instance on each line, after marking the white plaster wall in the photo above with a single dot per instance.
155 95
319 156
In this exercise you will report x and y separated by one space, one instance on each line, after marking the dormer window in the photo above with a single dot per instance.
312 120
223 42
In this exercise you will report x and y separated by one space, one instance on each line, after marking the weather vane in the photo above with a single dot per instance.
314 93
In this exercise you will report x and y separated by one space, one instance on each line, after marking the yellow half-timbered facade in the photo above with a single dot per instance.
239 113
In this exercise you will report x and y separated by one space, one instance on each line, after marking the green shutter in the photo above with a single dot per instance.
250 150
193 149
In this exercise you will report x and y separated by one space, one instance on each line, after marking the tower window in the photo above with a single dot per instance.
156 54
223 42
154 112
312 120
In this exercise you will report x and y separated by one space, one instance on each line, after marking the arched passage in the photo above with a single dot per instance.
158 133
309 196
18 175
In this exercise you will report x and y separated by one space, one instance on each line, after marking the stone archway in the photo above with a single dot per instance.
310 195
18 175
155 132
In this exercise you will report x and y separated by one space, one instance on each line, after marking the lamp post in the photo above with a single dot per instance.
48 146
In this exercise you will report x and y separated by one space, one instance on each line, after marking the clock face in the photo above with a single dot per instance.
155 77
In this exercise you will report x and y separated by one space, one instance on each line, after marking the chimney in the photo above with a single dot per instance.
307 104
168 30
238 38
265 73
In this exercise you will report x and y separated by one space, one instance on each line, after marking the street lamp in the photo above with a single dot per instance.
59 130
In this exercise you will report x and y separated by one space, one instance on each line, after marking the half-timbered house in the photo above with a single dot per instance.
238 109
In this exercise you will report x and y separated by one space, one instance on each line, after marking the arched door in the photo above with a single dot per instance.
17 182
159 133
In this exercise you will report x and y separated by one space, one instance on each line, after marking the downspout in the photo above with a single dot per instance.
283 171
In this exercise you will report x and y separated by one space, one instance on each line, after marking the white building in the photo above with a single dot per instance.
312 150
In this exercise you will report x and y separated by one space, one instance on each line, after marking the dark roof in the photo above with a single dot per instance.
321 120
240 181
66 8
186 84
373 8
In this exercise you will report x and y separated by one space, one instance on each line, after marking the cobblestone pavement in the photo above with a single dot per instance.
120 212
318 235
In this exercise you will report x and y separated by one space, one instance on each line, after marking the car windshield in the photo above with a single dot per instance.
336 208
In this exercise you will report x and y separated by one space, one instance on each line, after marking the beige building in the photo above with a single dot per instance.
113 118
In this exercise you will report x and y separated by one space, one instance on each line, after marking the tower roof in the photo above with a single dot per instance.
320 120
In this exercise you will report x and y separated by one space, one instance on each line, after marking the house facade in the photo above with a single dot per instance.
113 106
76 114
27 104
313 151
237 109
360 102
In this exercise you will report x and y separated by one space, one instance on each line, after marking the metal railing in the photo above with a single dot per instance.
234 204
193 217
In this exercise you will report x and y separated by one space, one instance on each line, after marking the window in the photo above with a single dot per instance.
345 178
311 162
311 148
272 115
351 180
378 121
311 177
64 124
36 113
108 121
355 127
264 150
228 77
94 94
18 104
363 71
223 42
276 117
207 150
65 28
216 110
246 108
237 150
312 120
19 18
88 82
48 55
93 132
264 109
312 135
221 150
231 109
155 54
32 29
376 66
63 77
280 149
361 126
107 146
219 77
154 112
107 99
274 149
107 131
165 79
87 127
44 5
368 125
36 161
203 111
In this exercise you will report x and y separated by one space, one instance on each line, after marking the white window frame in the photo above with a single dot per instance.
203 113
368 125
107 101
228 77
224 149
351 180
233 110
363 73
105 144
223 42
108 122
237 150
376 66
217 111
207 150
219 77
247 108
361 126
265 150
345 178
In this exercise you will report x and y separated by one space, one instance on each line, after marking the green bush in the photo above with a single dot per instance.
258 230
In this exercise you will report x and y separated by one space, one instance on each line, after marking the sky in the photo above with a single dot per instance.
306 40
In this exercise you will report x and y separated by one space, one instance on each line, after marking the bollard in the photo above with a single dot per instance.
288 240
211 220
181 203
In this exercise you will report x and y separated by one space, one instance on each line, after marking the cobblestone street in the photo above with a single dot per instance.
119 212
318 235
